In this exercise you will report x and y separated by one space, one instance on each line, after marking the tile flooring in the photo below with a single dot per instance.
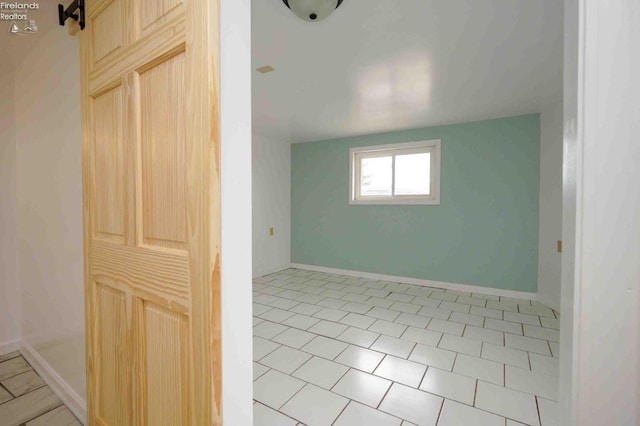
25 399
342 351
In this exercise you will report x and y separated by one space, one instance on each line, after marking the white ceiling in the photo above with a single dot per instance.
381 65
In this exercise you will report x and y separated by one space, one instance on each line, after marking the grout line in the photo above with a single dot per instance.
475 394
423 377
384 355
342 377
386 393
294 395
455 359
440 412
13 357
341 411
17 374
301 365
48 411
538 409
277 411
10 394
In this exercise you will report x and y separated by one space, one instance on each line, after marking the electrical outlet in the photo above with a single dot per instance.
271 231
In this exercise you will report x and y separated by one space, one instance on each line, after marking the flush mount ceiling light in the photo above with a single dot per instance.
312 10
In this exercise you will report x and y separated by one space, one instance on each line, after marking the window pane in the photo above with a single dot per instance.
413 174
375 176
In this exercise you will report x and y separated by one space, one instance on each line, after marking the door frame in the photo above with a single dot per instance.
600 308
582 129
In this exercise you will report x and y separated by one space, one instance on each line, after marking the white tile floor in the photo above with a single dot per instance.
338 350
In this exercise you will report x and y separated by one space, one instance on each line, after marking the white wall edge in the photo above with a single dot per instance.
235 212
425 283
61 388
548 301
10 346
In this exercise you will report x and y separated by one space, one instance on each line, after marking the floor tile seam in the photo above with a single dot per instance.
278 411
16 374
8 392
41 385
401 312
47 412
17 355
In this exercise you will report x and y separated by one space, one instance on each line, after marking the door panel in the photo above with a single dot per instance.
109 179
106 28
151 212
162 111
113 372
153 14
166 337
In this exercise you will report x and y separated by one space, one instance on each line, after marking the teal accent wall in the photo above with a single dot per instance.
484 232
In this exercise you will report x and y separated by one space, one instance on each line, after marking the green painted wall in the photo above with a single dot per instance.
484 232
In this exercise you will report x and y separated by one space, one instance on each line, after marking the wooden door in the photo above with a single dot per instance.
151 211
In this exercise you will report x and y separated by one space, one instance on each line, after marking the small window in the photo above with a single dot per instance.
405 173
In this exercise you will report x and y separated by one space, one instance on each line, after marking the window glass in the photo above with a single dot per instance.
375 176
413 174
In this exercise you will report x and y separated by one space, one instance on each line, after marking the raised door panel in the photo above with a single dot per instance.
166 366
106 28
162 122
111 362
109 179
153 13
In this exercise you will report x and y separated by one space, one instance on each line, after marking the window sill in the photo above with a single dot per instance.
400 202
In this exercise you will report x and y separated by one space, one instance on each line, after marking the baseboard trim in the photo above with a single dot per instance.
417 281
71 399
269 271
10 346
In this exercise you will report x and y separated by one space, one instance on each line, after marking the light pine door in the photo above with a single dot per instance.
149 71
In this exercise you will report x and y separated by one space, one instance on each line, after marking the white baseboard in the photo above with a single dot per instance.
71 399
268 271
421 282
10 346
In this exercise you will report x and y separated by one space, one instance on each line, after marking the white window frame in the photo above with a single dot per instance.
356 154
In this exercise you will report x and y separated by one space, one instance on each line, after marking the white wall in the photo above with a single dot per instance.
600 322
271 167
49 191
235 174
550 227
9 286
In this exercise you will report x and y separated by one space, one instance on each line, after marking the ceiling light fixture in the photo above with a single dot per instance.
312 10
